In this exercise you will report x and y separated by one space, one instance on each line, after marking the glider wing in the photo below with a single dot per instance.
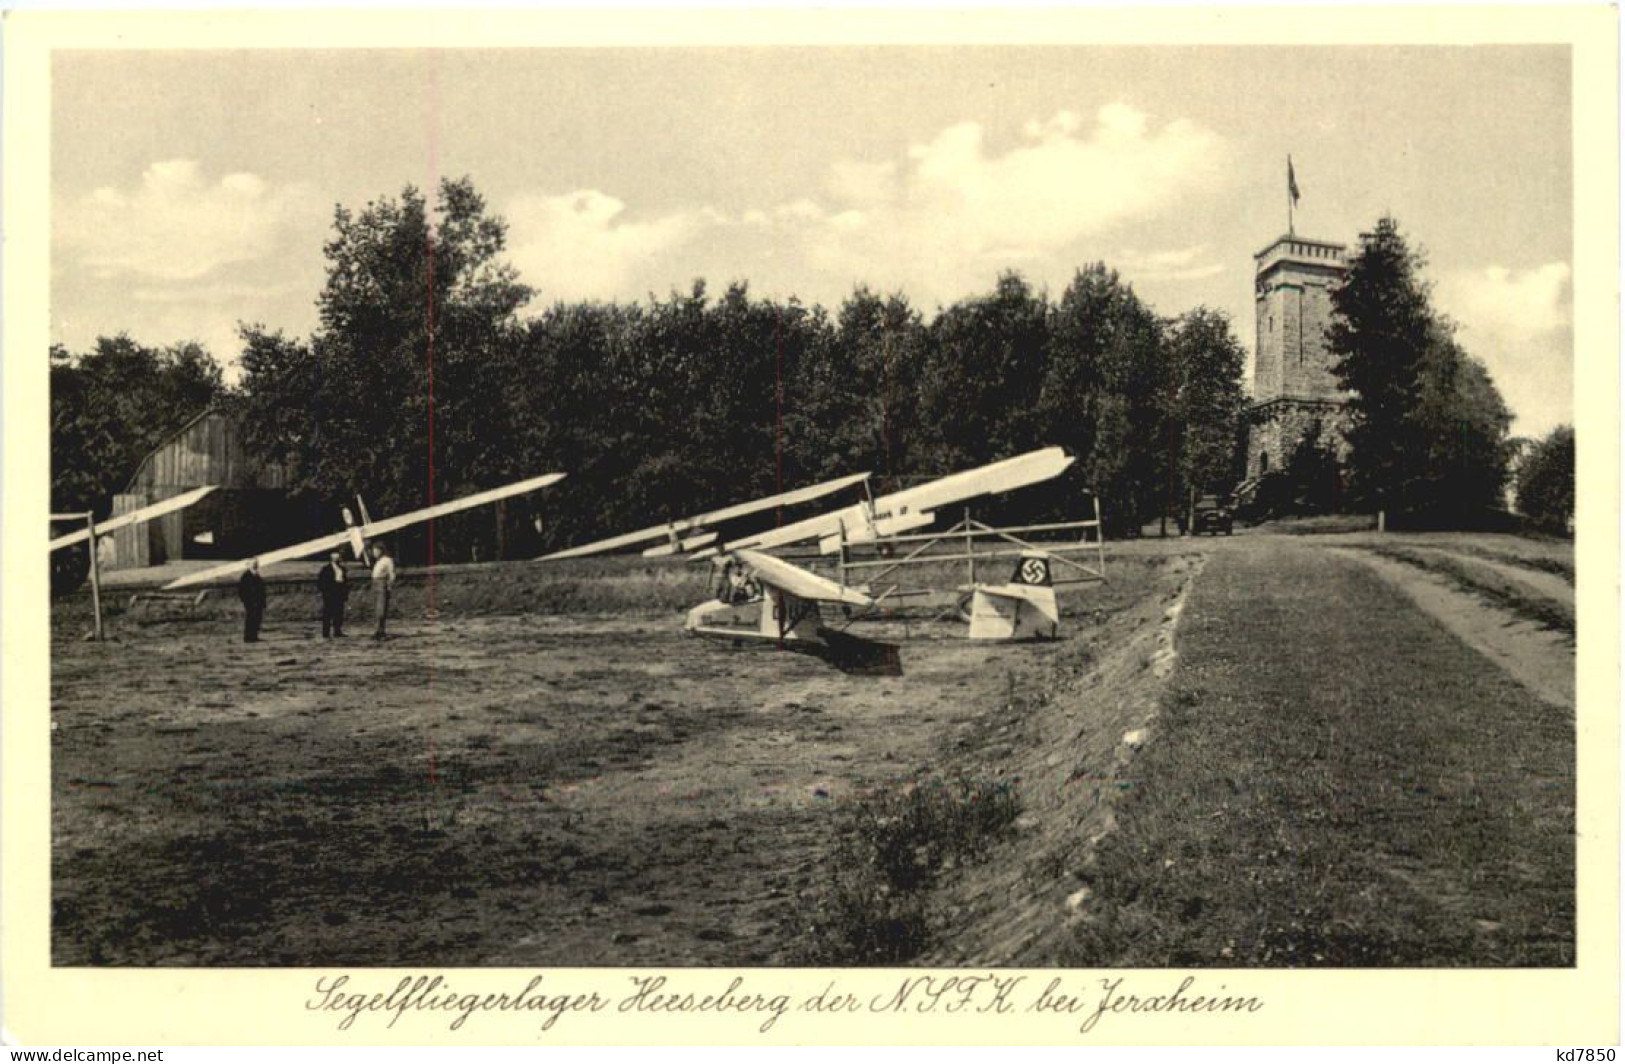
368 531
135 517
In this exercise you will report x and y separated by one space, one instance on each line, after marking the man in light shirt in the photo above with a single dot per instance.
383 579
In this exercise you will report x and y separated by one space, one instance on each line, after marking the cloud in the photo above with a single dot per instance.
1518 302
1173 264
217 332
177 225
938 220
954 209
1519 323
857 182
221 292
577 245
1063 123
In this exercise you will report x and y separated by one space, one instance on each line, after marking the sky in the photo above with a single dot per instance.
192 190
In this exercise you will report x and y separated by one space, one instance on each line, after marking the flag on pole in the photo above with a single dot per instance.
1291 181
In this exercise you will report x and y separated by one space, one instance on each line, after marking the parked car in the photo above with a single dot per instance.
1213 516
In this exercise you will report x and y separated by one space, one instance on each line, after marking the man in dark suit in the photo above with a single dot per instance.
334 584
251 589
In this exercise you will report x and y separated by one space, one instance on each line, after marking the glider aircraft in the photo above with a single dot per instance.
68 571
911 508
862 522
690 533
357 534
781 599
134 517
1022 608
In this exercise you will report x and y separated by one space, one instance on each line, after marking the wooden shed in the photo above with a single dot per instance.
249 513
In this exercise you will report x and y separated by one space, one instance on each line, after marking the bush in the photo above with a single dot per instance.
892 848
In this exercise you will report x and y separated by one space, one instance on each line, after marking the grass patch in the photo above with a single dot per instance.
1487 585
1323 524
1336 782
572 587
1556 566
893 847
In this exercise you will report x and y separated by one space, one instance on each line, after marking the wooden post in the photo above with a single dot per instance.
970 546
95 574
1100 538
1382 520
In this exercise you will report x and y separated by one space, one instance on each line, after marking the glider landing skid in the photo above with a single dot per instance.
851 654
857 656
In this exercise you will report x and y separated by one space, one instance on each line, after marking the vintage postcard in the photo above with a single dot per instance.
1079 526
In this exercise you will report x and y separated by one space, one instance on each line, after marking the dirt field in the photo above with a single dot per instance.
542 770
573 788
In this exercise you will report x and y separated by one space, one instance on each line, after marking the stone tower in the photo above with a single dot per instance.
1294 387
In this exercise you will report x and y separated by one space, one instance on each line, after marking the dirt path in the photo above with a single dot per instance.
1539 581
1336 778
1536 657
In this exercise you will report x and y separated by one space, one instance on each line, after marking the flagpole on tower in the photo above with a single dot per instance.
1291 196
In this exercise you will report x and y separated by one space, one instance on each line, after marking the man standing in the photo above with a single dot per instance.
334 586
251 589
383 579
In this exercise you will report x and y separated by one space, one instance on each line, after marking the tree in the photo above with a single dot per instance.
1428 431
1087 326
401 391
751 353
282 407
706 383
854 402
1309 482
984 375
576 375
1204 413
1464 422
1380 333
1106 394
112 405
683 404
1546 481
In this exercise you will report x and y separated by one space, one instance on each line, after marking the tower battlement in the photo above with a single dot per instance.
1304 253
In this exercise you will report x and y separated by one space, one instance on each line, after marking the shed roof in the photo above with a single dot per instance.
144 470
141 466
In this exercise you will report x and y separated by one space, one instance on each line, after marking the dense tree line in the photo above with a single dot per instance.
423 380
